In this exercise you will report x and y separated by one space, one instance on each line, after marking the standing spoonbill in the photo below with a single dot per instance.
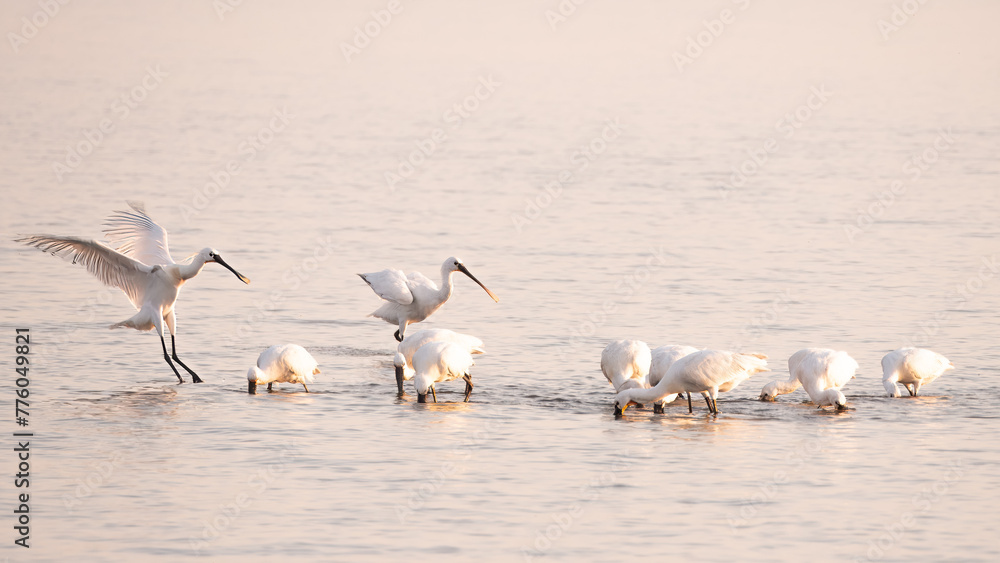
282 363
912 367
439 361
663 358
707 372
141 267
625 360
821 371
411 299
403 361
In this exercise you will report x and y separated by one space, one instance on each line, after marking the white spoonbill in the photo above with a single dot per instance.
411 299
435 362
913 367
623 360
282 363
707 372
403 361
141 267
821 371
663 358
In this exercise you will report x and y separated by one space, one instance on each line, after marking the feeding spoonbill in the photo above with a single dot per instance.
411 299
821 371
403 361
625 360
439 361
141 267
663 358
706 371
912 367
282 363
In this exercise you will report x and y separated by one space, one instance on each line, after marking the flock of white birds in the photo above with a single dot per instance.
640 375
137 260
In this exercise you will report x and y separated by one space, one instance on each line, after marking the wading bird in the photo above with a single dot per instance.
282 363
663 358
707 372
403 361
625 360
411 299
141 267
436 362
913 367
821 371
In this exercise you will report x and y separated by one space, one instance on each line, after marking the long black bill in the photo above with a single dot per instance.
464 270
242 278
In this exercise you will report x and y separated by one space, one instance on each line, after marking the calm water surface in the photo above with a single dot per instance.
648 236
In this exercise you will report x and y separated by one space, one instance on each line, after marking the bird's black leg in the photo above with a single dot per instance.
434 394
173 348
399 380
690 409
657 408
166 357
708 401
399 338
468 386
269 385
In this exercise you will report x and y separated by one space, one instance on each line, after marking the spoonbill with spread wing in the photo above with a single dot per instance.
141 267
411 299
403 361
821 371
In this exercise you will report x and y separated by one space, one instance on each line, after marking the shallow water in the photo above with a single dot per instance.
651 239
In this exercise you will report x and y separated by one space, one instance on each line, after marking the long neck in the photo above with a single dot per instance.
657 392
785 387
188 271
446 285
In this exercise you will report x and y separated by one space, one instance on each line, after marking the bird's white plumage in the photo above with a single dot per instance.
664 357
391 285
136 235
437 362
414 297
822 372
409 346
284 363
110 267
626 359
704 371
913 367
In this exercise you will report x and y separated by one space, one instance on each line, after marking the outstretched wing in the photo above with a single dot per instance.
134 234
389 285
112 268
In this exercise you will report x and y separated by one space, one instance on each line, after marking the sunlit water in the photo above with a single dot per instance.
650 238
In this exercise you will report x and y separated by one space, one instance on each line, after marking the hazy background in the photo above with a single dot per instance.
650 240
